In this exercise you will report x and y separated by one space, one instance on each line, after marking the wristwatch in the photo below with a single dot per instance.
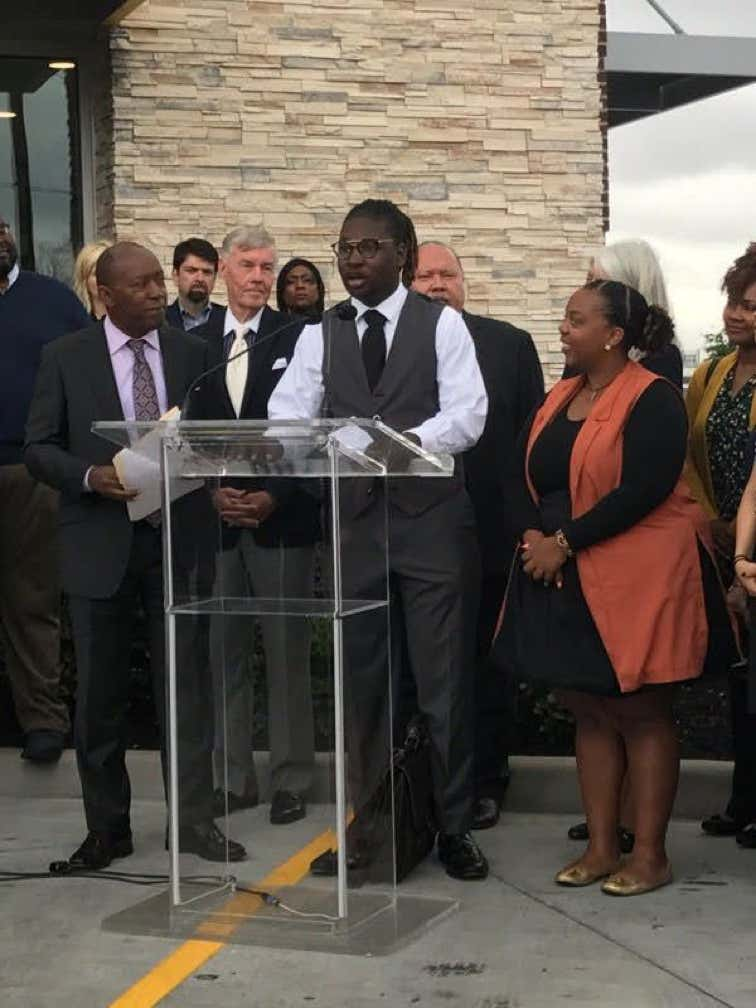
562 543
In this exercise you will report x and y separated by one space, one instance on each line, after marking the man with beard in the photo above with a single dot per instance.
514 384
34 310
195 270
391 353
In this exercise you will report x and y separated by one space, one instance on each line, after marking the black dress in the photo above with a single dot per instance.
549 633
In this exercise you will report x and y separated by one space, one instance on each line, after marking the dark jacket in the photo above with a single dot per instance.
174 318
296 520
76 387
35 310
514 384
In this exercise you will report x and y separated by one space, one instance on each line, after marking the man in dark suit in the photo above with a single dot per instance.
129 366
514 384
269 530
195 270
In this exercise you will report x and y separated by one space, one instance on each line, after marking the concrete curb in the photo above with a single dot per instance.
539 783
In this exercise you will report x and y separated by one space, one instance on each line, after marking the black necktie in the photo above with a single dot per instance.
374 346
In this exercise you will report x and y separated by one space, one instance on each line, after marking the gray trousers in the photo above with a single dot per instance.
275 573
434 582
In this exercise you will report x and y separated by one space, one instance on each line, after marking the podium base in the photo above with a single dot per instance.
377 923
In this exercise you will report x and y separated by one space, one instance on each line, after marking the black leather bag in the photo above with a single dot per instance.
411 799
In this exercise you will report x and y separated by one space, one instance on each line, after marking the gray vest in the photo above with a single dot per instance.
405 396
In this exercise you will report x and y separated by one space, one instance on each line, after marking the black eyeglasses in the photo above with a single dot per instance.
367 248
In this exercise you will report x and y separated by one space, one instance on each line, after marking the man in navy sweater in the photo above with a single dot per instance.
34 309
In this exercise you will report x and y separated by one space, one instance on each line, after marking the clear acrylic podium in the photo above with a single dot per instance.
279 679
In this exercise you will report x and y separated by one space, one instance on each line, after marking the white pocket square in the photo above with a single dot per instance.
280 363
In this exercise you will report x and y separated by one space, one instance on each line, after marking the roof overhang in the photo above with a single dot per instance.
63 19
648 74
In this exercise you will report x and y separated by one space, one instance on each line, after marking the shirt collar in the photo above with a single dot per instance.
117 339
389 308
203 314
12 277
232 323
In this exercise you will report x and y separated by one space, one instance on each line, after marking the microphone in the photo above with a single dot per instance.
297 320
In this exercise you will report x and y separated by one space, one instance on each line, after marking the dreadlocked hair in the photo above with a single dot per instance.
646 327
400 226
740 275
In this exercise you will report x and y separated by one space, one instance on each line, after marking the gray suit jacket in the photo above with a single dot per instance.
75 387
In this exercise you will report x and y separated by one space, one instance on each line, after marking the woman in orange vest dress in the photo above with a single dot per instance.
609 606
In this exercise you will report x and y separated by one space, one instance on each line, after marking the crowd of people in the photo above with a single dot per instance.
598 539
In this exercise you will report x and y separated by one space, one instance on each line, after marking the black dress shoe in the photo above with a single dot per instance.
99 849
287 807
579 831
223 800
746 837
43 746
721 825
625 836
207 841
358 867
461 856
485 813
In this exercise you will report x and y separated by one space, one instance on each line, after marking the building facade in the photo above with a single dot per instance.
484 121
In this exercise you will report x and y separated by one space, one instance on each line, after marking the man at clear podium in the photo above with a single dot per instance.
394 354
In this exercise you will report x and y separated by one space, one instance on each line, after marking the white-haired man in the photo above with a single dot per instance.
269 530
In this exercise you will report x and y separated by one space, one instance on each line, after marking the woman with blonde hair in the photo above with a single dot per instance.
634 262
84 281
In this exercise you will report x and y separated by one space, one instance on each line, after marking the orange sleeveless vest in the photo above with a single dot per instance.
644 586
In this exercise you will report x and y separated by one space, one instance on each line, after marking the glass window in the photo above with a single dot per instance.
40 191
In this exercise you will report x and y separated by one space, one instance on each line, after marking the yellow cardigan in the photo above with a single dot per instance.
698 402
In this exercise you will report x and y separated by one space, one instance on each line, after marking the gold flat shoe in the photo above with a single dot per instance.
578 876
622 885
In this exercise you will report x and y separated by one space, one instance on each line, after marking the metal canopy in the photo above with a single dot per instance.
648 74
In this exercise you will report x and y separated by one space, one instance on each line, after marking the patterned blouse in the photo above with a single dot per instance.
728 442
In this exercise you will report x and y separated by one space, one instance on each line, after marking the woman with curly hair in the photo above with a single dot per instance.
722 412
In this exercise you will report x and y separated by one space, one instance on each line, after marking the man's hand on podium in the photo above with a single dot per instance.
395 456
104 481
242 508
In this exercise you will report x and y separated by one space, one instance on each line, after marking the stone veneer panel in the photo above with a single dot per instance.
482 120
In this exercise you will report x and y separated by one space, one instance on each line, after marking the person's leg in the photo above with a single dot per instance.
30 600
437 561
742 805
494 698
231 646
601 767
102 642
286 573
647 728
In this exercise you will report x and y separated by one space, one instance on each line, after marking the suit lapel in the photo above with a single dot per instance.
98 368
174 369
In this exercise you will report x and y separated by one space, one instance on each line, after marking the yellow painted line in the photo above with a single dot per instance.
168 974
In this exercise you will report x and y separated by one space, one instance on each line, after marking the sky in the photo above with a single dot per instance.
685 180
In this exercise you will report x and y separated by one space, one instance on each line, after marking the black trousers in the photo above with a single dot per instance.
102 631
434 581
742 804
494 697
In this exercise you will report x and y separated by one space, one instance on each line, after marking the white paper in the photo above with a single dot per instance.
138 468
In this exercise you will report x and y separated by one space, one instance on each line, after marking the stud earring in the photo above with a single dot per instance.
607 346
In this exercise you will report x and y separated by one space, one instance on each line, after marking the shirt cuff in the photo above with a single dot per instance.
85 481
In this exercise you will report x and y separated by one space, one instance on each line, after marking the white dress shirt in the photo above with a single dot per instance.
237 369
463 403
12 277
